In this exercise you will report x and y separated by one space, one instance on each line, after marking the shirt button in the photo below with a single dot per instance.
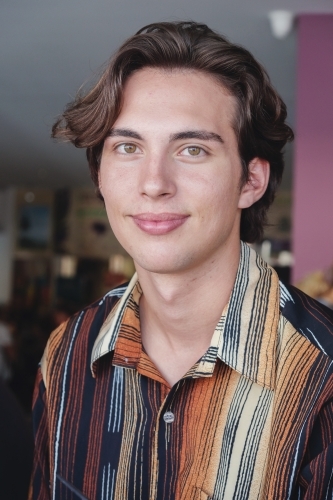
168 417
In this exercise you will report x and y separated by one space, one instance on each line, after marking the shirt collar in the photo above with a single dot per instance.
248 326
245 338
108 334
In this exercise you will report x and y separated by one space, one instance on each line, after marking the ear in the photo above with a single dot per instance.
99 183
257 182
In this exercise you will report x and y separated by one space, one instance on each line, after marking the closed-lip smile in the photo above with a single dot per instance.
158 224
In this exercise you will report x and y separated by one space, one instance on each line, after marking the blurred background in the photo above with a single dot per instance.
57 250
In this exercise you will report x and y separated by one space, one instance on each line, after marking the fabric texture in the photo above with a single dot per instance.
252 419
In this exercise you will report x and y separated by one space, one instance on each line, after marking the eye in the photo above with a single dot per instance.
127 148
193 151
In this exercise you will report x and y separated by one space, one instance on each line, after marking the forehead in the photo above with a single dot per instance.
190 93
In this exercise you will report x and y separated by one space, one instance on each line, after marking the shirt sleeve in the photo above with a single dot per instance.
40 480
316 476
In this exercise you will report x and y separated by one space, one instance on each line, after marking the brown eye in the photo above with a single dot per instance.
194 151
129 148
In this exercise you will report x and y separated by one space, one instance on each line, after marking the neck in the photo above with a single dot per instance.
179 312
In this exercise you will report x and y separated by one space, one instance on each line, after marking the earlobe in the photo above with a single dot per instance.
256 184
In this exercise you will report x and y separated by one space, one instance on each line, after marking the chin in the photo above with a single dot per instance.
166 265
158 268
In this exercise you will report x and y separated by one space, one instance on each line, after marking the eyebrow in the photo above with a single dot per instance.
125 132
202 135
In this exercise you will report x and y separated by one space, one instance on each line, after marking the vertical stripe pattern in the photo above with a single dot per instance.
251 420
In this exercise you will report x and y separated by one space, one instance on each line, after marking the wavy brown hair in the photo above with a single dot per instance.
259 123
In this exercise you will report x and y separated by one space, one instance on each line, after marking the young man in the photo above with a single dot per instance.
204 377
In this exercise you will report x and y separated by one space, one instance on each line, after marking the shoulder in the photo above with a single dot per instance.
79 330
310 318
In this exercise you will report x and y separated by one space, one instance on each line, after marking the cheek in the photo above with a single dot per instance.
116 221
114 183
220 208
113 198
220 196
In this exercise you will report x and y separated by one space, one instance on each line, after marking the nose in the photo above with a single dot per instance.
157 177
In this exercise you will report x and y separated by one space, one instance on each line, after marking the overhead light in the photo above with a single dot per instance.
281 22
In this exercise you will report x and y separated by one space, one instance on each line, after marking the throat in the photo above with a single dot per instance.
174 353
174 365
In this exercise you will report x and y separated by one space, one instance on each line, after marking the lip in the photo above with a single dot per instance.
157 224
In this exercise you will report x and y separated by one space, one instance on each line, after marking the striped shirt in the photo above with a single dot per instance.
252 419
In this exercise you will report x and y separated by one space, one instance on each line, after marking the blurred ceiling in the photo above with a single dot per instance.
48 49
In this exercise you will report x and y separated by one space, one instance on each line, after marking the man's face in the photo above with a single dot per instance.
170 171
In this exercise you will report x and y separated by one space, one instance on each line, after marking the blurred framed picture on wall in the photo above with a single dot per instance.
34 227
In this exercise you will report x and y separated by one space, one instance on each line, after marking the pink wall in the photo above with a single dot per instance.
313 177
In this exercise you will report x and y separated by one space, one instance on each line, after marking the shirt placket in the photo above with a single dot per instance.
166 420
